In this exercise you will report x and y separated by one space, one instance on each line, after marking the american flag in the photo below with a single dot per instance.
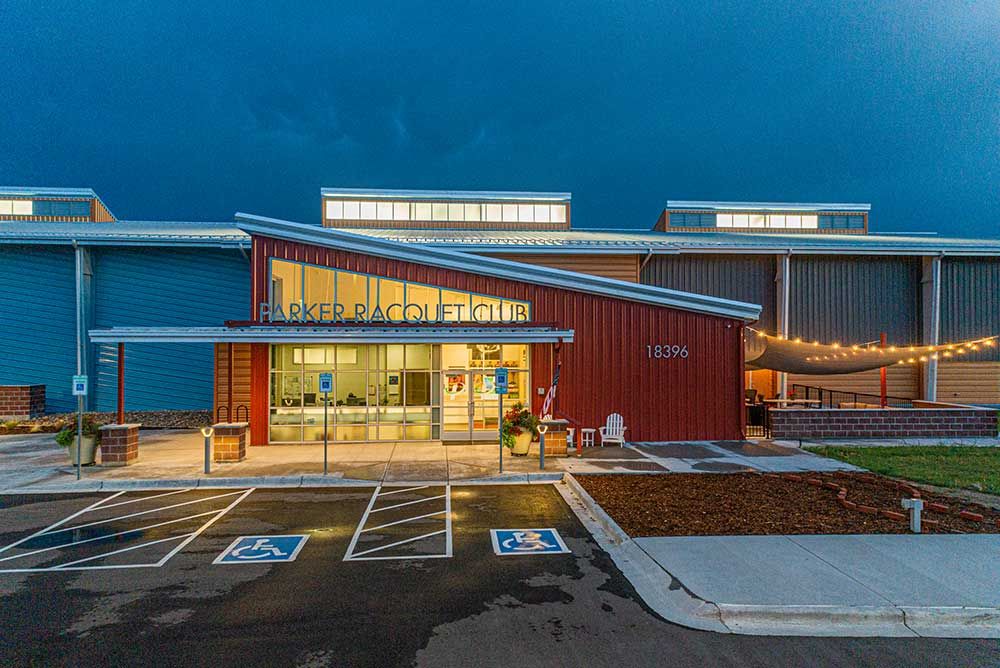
551 395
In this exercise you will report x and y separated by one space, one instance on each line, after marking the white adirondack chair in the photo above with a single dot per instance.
614 430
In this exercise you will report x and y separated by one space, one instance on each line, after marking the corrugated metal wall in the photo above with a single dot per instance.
747 278
38 325
970 301
605 369
853 299
165 287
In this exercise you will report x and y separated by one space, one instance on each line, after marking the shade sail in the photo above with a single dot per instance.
813 358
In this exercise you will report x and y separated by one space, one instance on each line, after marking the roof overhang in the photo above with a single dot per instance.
491 266
340 334
446 195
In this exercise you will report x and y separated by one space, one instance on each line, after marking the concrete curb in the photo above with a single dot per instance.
657 588
265 482
669 598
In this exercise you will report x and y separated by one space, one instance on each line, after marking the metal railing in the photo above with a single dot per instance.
834 398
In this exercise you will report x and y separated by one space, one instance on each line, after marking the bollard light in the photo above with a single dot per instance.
542 428
914 506
207 433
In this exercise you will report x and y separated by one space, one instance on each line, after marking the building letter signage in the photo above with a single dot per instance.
394 314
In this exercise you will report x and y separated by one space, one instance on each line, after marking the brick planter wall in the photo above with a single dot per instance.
119 444
229 441
21 402
954 422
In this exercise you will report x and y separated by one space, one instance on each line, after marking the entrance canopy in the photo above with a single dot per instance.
338 334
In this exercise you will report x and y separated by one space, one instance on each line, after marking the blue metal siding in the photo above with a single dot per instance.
38 327
158 287
970 302
852 299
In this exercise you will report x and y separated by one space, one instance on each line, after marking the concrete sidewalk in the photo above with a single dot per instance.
176 458
872 585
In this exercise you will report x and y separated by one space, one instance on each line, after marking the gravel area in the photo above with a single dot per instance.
148 419
697 504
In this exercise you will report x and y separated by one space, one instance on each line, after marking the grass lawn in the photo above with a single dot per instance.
946 466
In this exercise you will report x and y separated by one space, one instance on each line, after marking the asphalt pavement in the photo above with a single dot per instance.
129 579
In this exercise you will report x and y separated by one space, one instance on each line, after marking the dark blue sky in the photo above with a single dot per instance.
192 111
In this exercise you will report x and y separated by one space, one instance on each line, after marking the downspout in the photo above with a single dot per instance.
645 261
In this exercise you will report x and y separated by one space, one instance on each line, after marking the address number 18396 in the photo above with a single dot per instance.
666 352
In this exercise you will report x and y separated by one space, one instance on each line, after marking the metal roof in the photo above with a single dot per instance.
444 195
31 191
504 269
626 241
124 233
700 205
338 334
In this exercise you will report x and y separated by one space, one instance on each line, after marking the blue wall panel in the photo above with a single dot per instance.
38 321
165 287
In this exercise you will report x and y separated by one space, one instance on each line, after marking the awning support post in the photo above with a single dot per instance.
883 384
121 383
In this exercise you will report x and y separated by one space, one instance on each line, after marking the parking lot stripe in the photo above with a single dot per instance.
389 524
204 526
92 506
62 567
447 521
143 512
361 524
111 535
409 503
146 498
405 489
403 542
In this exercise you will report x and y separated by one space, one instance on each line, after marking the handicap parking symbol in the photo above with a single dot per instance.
527 541
262 549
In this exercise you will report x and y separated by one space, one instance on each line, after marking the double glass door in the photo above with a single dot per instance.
471 404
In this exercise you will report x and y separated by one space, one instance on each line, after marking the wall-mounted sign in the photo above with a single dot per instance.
667 351
331 312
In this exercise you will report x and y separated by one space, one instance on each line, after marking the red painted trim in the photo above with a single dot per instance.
260 364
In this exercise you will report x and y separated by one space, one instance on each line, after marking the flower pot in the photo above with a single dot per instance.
522 443
88 448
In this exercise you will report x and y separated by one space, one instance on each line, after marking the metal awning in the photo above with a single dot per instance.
344 334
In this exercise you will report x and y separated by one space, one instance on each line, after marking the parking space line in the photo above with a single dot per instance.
207 524
143 512
146 498
63 567
185 538
405 489
38 533
401 542
389 524
409 503
110 535
366 555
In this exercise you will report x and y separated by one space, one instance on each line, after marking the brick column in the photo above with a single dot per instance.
555 437
229 441
119 444
21 402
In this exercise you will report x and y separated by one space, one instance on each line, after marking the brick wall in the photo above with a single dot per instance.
229 441
956 422
119 444
20 402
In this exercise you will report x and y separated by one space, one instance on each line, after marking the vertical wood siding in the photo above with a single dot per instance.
620 267
604 370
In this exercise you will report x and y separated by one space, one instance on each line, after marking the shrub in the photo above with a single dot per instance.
516 421
67 436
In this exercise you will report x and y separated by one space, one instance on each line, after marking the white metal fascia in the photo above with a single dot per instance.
464 195
504 269
306 334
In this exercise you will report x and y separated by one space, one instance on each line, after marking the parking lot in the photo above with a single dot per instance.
364 576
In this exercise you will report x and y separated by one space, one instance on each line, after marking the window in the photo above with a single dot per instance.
422 211
759 221
525 213
541 213
384 210
367 210
493 213
303 292
352 210
439 211
456 212
400 211
334 209
558 213
473 212
810 222
509 213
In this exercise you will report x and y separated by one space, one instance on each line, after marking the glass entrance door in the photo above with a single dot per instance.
471 406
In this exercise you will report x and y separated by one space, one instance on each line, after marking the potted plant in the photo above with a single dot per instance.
519 429
88 444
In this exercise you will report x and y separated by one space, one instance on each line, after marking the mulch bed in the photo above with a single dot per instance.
148 420
737 504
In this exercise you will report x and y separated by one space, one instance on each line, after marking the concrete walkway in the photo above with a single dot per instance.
176 457
850 586
702 457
